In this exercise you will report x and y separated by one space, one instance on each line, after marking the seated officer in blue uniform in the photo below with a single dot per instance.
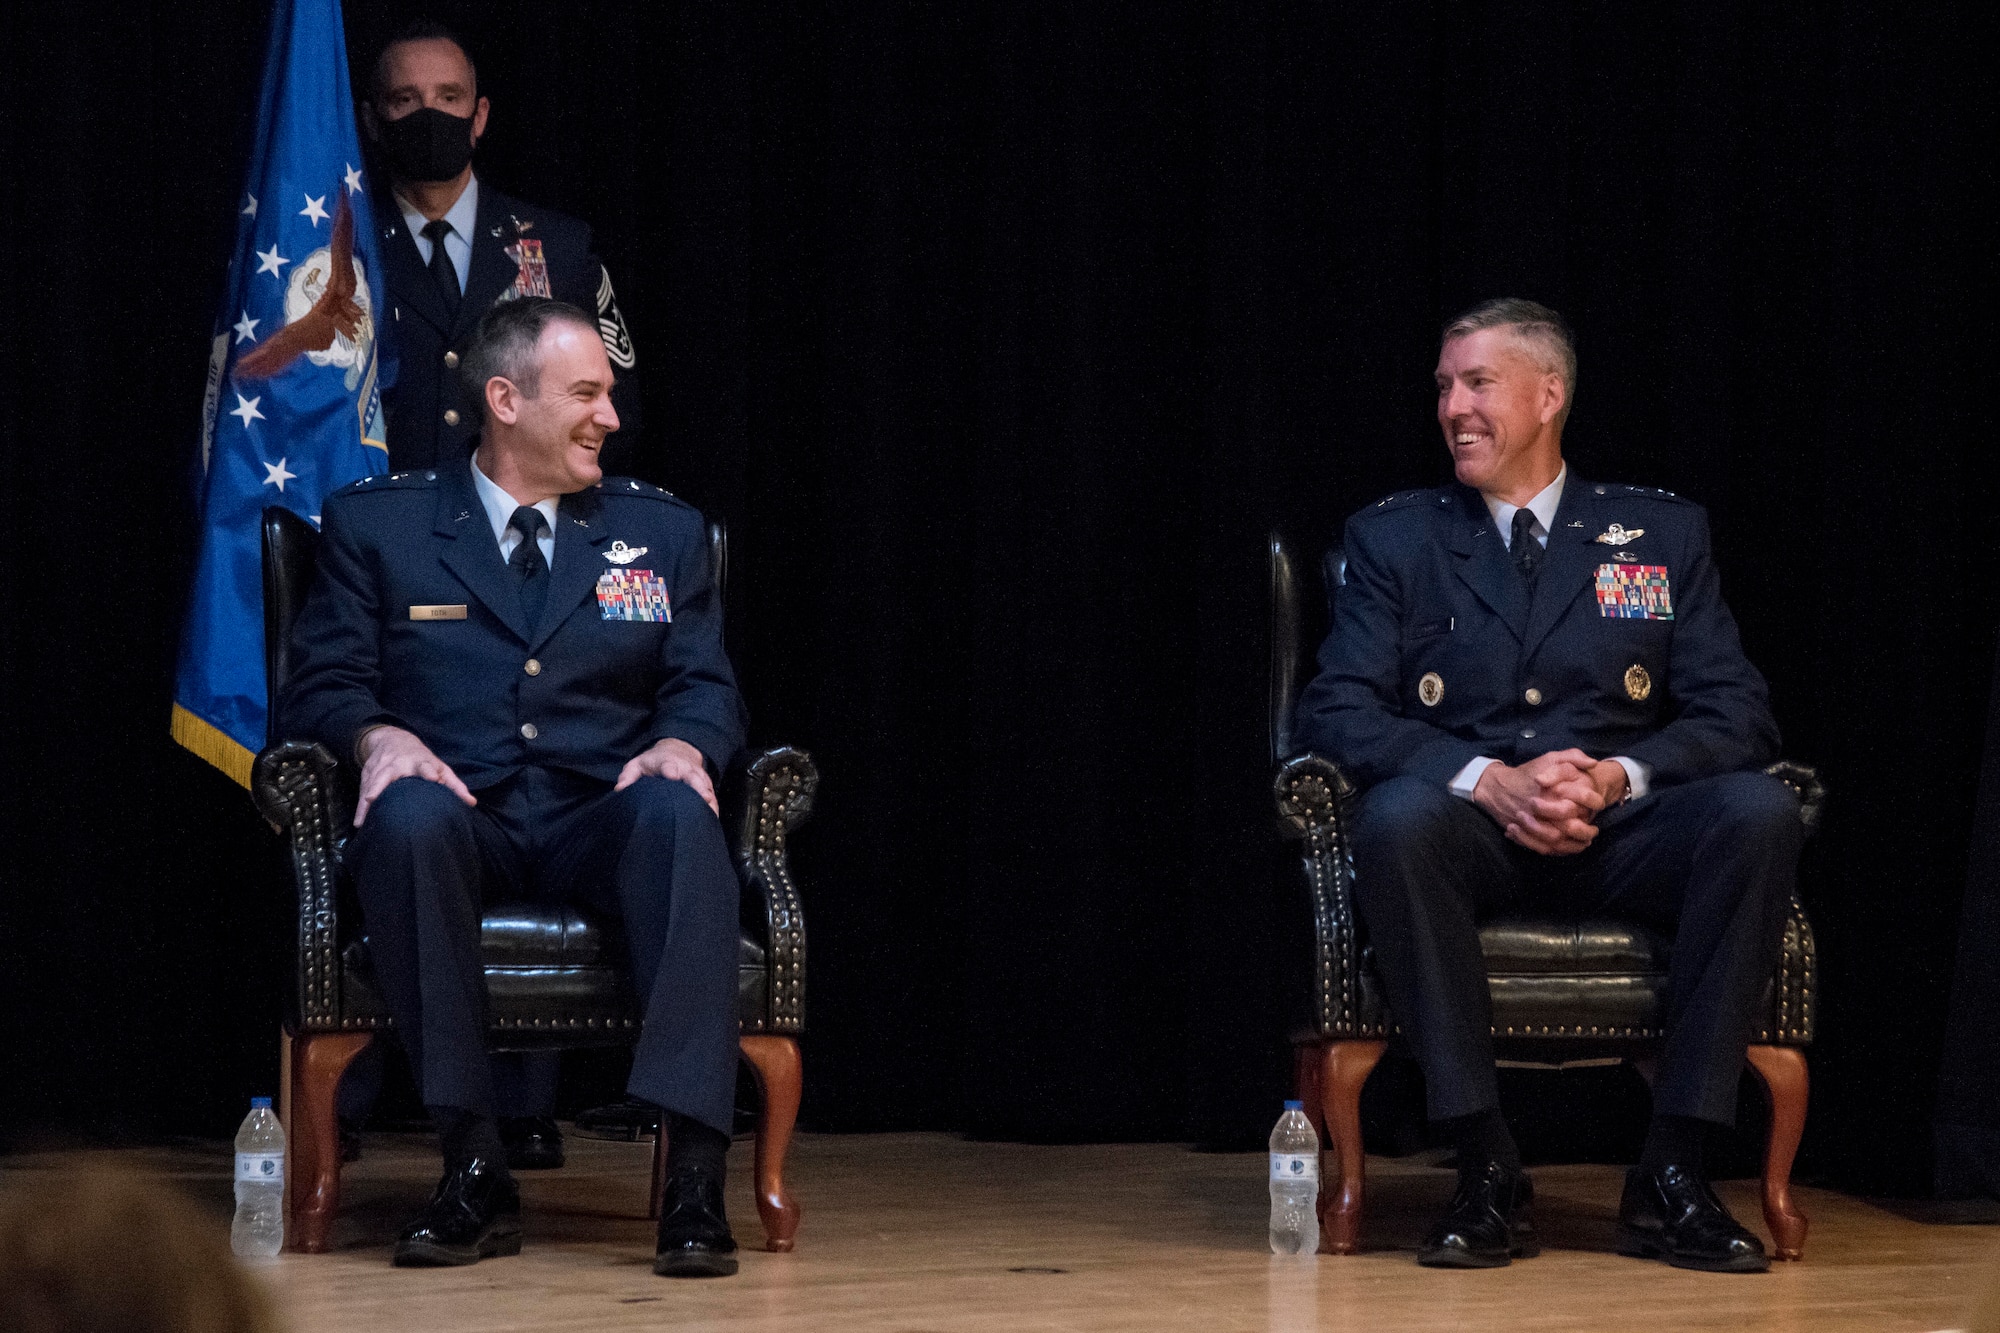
525 658
1536 681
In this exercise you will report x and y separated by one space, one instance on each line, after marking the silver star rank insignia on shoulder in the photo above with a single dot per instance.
1618 535
621 554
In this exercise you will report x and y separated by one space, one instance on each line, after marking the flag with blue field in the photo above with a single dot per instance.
293 407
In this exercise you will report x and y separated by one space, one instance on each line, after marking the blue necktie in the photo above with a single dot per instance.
528 565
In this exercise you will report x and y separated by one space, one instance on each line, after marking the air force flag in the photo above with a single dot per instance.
293 409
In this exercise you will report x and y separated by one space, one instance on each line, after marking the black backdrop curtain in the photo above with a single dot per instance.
1002 335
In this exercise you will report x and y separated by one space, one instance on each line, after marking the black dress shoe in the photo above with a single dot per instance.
1487 1224
694 1235
476 1213
628 1121
533 1143
1672 1214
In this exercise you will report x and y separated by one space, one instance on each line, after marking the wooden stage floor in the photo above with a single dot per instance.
916 1233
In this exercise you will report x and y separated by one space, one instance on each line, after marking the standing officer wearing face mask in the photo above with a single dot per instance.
452 246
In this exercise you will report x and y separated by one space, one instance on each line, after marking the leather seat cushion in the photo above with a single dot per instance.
1519 943
555 977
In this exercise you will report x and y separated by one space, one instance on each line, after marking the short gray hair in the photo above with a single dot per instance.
503 344
1546 333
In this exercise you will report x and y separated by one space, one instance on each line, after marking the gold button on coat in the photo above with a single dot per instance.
528 731
533 667
451 360
1533 696
451 416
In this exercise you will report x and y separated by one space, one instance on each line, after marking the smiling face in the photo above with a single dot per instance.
547 444
1501 413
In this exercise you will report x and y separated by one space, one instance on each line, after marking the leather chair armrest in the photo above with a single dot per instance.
1310 792
777 796
1803 779
295 786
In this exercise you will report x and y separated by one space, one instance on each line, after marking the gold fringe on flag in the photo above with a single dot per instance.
211 743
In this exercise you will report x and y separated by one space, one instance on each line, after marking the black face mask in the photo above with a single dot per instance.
427 145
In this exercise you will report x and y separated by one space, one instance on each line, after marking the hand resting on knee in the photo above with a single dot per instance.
389 753
677 761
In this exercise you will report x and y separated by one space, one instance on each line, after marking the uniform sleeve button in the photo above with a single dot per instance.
1533 696
529 731
451 360
533 668
451 416
1527 733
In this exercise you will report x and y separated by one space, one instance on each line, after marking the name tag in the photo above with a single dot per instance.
438 612
1634 592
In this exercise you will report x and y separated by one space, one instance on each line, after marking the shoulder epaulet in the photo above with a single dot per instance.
394 481
1639 492
645 489
1400 500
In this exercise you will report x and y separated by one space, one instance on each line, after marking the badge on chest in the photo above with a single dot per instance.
1634 592
632 594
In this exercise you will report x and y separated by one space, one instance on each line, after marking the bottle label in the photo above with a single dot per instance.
267 1167
1294 1166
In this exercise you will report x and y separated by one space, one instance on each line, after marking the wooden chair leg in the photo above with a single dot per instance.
1343 1067
1305 1084
781 1075
1783 1071
657 1195
312 1136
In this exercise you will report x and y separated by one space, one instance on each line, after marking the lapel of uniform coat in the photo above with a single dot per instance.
1481 558
408 280
1572 559
580 530
467 548
492 272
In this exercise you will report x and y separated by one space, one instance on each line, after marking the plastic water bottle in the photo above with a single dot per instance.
259 1229
1294 1183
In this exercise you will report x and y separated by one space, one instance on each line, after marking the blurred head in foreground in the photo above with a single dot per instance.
96 1252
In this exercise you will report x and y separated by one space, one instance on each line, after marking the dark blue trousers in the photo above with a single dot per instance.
651 857
1715 862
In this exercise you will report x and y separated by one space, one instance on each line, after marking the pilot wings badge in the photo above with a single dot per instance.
621 554
1618 535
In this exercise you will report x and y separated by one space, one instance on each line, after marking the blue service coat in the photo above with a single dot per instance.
585 689
431 420
1438 653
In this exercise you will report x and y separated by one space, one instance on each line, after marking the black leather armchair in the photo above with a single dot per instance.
1565 990
556 978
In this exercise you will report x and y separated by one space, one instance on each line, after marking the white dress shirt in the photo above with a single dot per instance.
500 507
1543 507
463 217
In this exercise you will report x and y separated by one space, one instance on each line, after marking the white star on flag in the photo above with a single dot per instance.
246 327
275 475
315 209
269 262
247 409
353 179
250 209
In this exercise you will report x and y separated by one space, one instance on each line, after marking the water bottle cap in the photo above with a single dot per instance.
260 1103
1295 1106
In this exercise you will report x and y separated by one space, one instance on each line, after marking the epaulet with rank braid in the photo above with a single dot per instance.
394 481
646 489
1641 492
1400 500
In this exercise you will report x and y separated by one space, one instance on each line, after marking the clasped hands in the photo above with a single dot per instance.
389 753
1550 804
